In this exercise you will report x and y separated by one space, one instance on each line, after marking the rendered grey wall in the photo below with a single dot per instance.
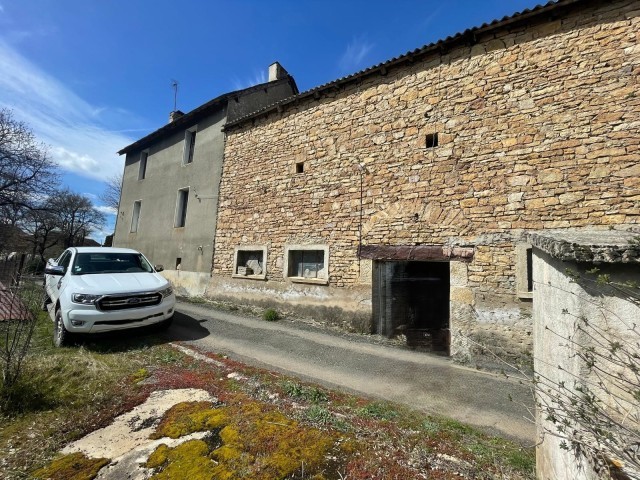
558 304
156 236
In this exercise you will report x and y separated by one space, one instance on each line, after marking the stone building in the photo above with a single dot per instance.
171 177
396 200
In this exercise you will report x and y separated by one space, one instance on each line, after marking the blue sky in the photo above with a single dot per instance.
92 76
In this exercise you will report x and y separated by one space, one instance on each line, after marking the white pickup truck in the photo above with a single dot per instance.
100 289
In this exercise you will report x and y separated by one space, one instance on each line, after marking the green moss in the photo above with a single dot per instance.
159 457
257 443
189 417
75 466
188 460
140 375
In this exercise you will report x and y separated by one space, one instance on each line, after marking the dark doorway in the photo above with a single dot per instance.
412 299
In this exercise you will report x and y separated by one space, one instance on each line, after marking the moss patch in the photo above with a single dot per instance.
188 460
189 417
257 443
75 466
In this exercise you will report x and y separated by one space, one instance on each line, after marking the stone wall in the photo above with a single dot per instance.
537 128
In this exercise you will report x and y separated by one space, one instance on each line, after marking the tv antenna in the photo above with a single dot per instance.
174 85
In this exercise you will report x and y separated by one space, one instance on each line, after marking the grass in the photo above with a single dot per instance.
296 430
64 393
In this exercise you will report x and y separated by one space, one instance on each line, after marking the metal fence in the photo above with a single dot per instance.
12 269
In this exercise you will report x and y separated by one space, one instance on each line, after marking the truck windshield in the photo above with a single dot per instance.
92 263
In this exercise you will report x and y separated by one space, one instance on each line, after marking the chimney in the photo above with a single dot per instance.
277 72
176 114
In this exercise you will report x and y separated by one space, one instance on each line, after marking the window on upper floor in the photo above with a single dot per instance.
189 146
181 207
135 217
307 263
249 261
142 171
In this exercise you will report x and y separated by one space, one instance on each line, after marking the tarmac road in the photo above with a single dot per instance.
357 364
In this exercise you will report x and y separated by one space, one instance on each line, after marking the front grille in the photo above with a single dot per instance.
125 302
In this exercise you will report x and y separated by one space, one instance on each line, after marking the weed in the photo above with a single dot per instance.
521 459
318 415
196 300
270 315
378 410
309 393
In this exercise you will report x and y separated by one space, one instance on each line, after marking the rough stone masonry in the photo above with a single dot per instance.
537 123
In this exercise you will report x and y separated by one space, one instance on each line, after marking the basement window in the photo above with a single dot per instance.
300 167
524 271
432 140
307 263
250 262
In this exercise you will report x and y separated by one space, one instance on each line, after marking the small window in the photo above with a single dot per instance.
181 207
189 146
300 167
142 171
250 262
524 270
307 263
432 140
178 263
135 217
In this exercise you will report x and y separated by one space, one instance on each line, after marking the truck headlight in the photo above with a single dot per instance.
166 292
84 298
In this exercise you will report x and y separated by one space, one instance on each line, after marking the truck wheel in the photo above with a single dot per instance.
61 336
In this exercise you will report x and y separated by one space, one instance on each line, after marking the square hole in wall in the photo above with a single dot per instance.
300 167
432 140
178 263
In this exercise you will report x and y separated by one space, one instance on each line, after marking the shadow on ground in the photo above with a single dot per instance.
184 327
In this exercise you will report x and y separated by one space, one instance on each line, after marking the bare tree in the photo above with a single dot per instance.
111 195
77 217
43 226
26 171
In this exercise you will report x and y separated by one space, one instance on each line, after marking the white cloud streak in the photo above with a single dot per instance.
78 142
258 78
354 55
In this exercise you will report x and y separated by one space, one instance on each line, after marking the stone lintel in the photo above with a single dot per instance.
592 246
422 253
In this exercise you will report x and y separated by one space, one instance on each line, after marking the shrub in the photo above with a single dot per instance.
270 315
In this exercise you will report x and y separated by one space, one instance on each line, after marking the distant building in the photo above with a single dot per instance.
169 201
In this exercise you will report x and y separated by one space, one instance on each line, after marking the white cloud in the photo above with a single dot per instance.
69 125
258 78
106 210
353 57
